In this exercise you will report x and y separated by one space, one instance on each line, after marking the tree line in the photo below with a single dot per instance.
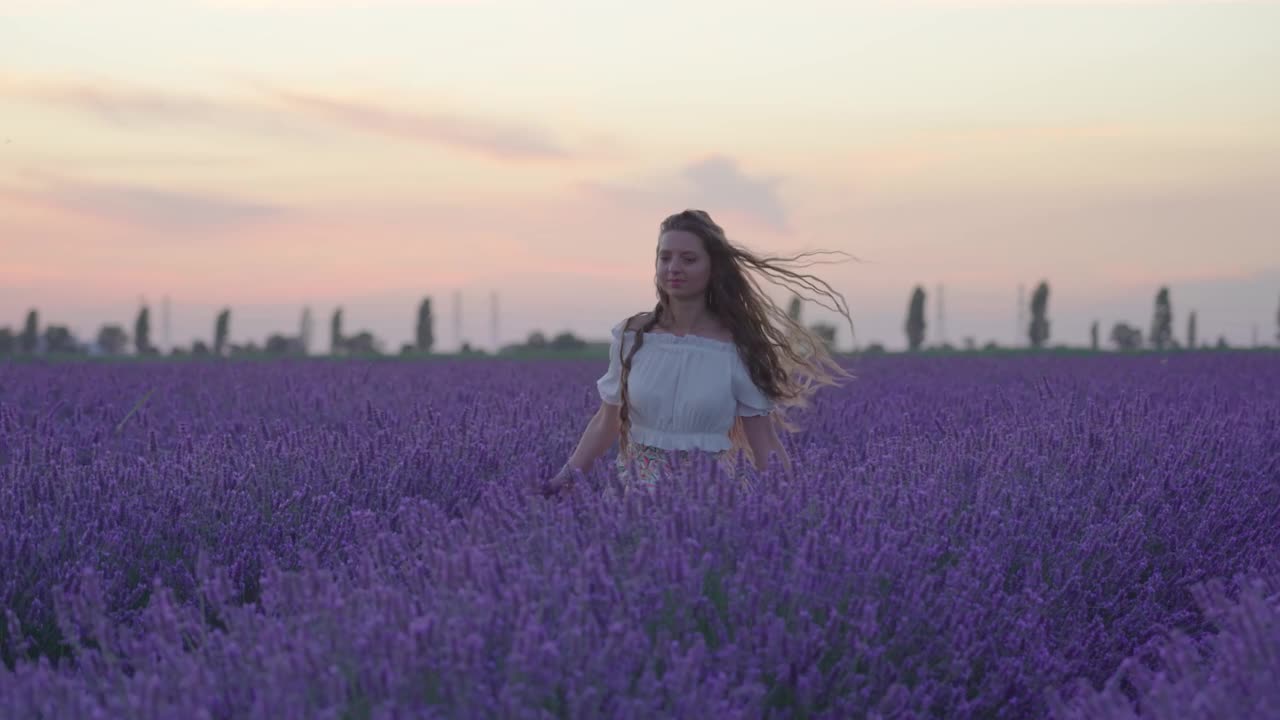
1125 337
113 339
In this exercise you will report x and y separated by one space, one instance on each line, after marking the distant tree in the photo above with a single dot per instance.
29 340
874 348
199 348
1191 331
8 341
793 310
142 332
426 335
112 340
1222 343
335 333
221 331
59 340
991 345
828 334
536 340
1162 322
915 319
1125 337
1038 332
1278 325
362 343
567 341
278 344
1093 335
248 349
970 344
305 330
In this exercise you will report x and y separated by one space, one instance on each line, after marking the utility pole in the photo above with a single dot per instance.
1022 291
457 318
305 331
493 320
942 323
164 323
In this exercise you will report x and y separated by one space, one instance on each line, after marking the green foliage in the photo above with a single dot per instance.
221 329
142 332
425 336
305 331
335 332
827 332
30 336
113 340
1038 332
1162 322
1125 337
915 325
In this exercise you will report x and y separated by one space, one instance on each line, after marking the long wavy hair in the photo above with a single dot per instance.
787 361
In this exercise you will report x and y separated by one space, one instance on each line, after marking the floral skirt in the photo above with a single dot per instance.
651 462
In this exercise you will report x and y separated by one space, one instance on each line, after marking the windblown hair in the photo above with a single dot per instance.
786 361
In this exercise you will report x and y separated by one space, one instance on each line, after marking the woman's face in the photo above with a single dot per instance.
683 267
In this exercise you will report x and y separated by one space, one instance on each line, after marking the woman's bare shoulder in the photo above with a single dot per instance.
636 322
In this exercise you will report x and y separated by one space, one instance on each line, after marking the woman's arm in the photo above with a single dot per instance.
602 430
763 439
597 438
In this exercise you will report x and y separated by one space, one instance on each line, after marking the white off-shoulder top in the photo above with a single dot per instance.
684 391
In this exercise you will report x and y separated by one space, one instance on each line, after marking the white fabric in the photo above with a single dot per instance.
684 392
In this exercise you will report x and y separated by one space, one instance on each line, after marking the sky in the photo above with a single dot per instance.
275 155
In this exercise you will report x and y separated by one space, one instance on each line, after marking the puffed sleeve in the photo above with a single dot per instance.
751 400
610 384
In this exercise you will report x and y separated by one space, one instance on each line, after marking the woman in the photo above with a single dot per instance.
709 370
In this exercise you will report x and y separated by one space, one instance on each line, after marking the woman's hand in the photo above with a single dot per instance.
601 432
561 482
762 436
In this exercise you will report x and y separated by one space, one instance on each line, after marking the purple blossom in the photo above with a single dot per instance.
970 536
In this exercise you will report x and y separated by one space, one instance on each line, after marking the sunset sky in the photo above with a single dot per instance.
273 155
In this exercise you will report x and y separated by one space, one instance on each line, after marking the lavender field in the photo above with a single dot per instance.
1093 536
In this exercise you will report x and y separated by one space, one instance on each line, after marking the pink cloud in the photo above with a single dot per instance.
502 140
137 108
715 183
134 107
160 210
